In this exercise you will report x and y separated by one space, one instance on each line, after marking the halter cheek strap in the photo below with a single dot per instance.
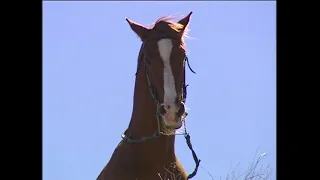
154 94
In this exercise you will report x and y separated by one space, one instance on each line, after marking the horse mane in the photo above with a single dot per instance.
177 27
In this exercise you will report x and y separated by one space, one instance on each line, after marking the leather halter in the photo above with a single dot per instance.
153 91
143 58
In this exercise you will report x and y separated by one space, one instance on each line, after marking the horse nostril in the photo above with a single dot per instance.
162 110
181 110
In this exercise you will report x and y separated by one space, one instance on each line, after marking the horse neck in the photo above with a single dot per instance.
143 120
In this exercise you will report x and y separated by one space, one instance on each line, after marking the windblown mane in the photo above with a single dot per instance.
177 27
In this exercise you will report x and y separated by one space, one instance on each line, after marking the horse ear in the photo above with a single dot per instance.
185 21
139 29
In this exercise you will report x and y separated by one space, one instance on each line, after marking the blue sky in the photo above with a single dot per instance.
89 63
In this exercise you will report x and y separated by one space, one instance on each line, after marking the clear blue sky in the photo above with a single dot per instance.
87 97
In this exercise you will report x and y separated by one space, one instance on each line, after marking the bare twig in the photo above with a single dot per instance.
207 172
254 172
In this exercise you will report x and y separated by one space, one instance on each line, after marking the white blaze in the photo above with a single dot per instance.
165 48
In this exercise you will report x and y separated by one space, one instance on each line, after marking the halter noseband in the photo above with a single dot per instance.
154 94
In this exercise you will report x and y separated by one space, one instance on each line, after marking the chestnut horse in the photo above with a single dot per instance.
146 151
